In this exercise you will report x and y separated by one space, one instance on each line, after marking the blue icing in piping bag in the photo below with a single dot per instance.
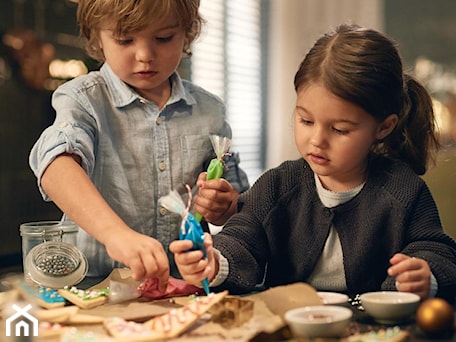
190 227
194 233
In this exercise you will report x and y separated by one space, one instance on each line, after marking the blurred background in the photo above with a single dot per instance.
247 54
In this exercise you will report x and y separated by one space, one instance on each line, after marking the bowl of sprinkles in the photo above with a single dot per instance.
318 321
56 264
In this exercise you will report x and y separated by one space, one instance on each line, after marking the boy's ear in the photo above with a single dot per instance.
387 126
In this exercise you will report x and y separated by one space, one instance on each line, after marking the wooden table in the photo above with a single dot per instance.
361 322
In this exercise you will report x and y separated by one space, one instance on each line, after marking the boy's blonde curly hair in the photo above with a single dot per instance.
133 15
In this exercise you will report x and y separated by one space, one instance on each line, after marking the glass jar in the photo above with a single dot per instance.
55 264
35 233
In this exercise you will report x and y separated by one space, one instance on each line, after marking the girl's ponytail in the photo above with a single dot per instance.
415 140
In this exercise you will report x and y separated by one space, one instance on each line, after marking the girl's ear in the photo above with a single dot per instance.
387 126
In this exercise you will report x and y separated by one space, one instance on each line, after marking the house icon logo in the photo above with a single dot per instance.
21 321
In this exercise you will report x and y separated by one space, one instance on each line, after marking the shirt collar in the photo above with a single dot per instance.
179 91
123 95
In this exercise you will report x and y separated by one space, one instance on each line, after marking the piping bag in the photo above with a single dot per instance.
190 227
216 166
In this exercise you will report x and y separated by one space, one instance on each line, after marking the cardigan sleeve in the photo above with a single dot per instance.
256 241
243 242
427 240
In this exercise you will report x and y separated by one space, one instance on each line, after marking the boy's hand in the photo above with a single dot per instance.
144 255
412 274
192 265
216 200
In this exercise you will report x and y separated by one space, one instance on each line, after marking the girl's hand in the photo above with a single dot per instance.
412 274
144 255
216 200
192 265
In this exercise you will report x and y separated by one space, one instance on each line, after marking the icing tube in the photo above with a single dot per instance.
193 232
190 227
216 166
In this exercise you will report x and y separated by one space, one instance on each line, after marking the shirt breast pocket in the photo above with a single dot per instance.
196 151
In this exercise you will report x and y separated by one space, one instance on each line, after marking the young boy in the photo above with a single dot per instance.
126 135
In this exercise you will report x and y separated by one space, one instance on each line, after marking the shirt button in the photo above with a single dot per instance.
142 101
162 166
163 211
63 124
158 121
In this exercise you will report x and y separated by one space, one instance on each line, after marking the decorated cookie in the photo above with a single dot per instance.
166 326
130 331
57 315
74 335
48 329
68 315
45 297
85 299
392 334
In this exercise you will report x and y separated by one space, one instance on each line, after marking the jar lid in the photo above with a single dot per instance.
56 264
47 228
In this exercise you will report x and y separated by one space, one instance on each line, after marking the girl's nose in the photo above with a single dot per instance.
318 137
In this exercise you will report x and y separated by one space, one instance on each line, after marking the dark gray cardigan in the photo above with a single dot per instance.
283 224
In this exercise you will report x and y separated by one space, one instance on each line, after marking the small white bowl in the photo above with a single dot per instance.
318 321
333 297
389 307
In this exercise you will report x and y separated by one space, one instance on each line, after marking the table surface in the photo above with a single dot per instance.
361 323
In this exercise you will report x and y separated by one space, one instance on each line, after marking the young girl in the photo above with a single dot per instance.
352 215
126 135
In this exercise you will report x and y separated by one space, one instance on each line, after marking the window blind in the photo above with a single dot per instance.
228 61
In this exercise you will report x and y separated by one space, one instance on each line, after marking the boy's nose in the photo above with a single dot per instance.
145 54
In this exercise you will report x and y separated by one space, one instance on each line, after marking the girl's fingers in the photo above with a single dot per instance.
180 246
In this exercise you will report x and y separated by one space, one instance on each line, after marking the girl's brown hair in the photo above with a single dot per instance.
132 15
364 67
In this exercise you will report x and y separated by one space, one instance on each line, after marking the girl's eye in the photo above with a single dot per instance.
164 39
340 131
305 122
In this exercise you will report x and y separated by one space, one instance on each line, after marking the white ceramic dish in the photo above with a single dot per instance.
318 321
333 298
390 307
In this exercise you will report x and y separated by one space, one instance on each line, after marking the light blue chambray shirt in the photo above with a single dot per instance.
134 152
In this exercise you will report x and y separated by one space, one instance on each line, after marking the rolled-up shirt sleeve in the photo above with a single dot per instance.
66 135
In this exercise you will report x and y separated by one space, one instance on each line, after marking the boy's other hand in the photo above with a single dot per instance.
216 200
